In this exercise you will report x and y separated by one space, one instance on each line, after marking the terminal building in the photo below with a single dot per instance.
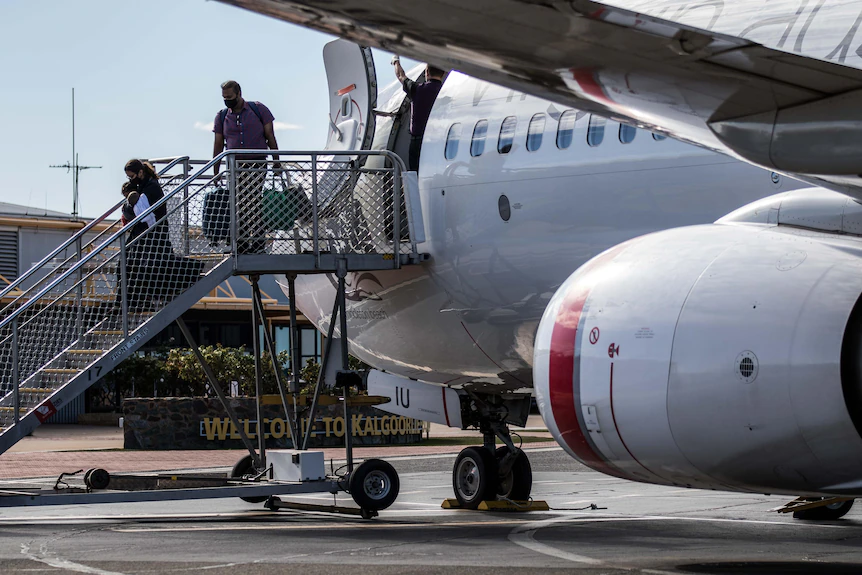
29 234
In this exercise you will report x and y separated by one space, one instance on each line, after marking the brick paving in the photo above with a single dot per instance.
22 465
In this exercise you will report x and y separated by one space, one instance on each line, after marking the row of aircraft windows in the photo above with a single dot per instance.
535 134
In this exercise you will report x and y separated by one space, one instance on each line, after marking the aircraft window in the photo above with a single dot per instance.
477 144
535 132
452 141
658 137
566 129
627 133
596 130
507 135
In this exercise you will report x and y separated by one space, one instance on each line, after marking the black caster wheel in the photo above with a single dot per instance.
474 477
97 479
243 468
374 486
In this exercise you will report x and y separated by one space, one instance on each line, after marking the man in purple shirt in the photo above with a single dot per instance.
422 98
245 125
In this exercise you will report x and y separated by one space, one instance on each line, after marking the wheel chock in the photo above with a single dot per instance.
804 503
505 505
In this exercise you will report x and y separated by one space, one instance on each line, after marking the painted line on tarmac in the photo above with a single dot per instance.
60 563
523 535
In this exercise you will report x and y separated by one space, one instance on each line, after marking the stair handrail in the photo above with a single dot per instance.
187 182
80 234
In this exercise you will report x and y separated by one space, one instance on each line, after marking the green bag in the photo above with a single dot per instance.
279 205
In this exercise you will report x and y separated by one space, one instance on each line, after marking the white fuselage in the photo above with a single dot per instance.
470 314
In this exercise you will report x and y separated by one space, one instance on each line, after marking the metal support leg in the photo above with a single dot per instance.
217 387
295 357
489 438
258 323
341 272
270 348
324 361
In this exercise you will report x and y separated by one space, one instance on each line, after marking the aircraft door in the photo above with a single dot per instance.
352 84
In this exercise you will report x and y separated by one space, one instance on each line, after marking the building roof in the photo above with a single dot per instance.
17 210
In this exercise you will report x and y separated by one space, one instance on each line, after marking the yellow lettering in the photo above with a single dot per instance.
245 425
234 432
369 426
356 428
338 426
215 427
276 428
384 425
328 422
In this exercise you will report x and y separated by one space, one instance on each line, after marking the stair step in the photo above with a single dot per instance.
20 409
45 390
107 332
85 351
59 370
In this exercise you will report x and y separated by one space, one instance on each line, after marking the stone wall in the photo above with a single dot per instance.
202 423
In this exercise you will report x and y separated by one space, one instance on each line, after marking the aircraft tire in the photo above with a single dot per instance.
474 477
518 483
243 467
825 513
374 485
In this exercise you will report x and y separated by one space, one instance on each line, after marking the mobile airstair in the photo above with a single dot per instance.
103 294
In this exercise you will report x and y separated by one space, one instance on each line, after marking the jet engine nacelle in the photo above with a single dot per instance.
720 356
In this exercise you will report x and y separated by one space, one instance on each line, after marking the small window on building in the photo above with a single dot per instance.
658 137
596 130
566 129
477 144
627 133
507 135
535 131
452 141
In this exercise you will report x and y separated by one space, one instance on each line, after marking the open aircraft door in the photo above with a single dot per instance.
352 95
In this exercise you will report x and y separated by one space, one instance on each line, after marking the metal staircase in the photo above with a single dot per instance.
105 292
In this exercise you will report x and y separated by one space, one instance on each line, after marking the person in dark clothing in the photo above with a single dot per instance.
422 96
156 274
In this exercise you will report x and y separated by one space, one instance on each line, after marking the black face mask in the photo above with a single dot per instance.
231 103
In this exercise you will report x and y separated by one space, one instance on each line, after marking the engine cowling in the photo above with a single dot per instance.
720 356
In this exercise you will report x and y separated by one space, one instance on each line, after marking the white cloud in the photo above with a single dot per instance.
285 126
205 126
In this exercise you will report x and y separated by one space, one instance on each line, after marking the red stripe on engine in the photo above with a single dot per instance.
561 374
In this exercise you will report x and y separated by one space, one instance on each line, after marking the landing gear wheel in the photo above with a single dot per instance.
825 513
374 486
244 467
474 477
518 482
97 479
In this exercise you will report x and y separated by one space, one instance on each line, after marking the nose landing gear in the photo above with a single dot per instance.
487 472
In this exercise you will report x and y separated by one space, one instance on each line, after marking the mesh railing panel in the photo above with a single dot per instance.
266 208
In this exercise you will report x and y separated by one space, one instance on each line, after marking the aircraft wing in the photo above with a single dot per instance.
785 112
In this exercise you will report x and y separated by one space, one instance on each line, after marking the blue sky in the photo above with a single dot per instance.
146 78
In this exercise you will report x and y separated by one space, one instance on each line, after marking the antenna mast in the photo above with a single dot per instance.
74 167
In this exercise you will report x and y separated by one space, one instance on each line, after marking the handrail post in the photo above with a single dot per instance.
79 293
396 236
186 239
315 235
15 371
124 288
234 212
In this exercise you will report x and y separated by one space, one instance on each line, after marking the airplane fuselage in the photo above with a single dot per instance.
506 229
